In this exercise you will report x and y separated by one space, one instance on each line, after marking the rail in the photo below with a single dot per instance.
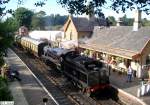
52 80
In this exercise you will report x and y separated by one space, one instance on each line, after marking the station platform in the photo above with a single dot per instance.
27 91
129 91
30 92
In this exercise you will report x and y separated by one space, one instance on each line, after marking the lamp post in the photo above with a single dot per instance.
45 100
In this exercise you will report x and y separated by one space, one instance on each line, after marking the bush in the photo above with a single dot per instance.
5 94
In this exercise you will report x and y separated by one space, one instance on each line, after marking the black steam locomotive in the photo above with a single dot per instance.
86 73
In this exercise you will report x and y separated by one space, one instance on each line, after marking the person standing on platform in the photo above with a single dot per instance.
129 74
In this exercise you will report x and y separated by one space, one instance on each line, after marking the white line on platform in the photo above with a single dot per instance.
38 81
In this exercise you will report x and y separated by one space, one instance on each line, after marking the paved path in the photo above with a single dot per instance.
28 91
130 88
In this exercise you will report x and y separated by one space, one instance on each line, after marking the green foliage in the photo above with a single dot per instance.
1 59
5 94
56 27
38 21
12 24
42 22
53 20
81 6
40 14
145 22
35 24
111 20
6 38
127 21
23 17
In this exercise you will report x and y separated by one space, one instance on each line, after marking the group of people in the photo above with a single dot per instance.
113 64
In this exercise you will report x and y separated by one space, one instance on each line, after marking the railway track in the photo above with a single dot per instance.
60 88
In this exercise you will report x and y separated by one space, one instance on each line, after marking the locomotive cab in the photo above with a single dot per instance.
98 79
98 76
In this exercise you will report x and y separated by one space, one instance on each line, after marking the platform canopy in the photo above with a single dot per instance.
120 41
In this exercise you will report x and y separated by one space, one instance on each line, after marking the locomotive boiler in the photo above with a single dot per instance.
86 73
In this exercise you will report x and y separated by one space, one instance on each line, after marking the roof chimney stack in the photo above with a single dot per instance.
137 20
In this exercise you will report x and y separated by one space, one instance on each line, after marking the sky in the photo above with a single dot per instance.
52 7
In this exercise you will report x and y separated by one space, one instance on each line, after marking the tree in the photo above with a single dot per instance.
41 14
81 6
12 23
35 24
145 22
5 39
111 20
127 21
54 22
23 17
59 20
38 20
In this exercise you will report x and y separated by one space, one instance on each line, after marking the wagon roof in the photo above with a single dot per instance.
32 40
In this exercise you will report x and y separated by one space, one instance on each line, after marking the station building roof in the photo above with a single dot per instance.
119 40
85 24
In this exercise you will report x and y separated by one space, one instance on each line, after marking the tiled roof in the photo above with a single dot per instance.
85 24
120 40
